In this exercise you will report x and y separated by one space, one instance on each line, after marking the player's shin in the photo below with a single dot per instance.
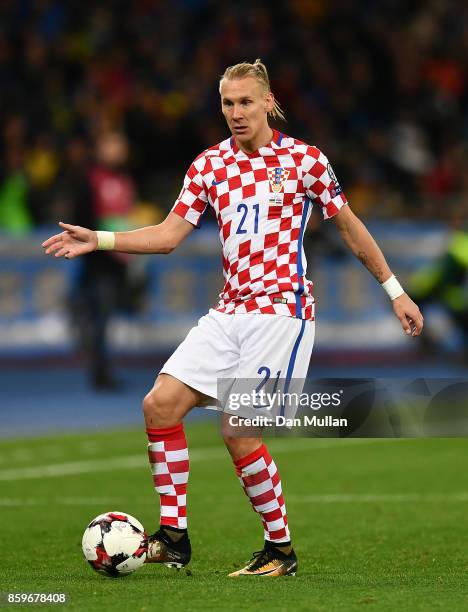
261 482
169 461
168 456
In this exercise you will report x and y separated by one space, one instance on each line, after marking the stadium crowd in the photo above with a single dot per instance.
381 87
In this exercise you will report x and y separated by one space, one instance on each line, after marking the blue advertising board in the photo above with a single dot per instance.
352 310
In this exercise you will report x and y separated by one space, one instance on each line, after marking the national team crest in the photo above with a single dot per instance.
277 177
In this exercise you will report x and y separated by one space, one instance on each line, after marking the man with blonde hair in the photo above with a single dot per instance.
262 185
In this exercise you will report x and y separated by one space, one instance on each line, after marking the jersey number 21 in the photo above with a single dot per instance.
246 219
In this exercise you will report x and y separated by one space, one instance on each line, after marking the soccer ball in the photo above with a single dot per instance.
115 544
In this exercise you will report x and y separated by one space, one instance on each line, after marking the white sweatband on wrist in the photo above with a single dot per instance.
393 288
105 241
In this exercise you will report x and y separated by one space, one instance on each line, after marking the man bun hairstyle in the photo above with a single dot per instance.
258 71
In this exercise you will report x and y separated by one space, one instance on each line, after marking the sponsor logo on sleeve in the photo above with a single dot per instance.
334 188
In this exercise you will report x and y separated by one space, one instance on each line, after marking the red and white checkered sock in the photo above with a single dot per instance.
169 460
262 484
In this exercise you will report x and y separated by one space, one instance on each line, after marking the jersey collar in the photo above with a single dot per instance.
276 140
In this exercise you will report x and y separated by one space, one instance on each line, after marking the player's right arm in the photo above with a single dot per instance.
162 238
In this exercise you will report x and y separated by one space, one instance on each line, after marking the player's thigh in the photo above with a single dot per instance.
209 352
275 356
276 347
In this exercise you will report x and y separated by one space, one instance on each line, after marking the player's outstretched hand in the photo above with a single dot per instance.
72 242
409 314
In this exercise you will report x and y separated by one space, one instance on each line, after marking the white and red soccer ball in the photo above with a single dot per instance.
115 544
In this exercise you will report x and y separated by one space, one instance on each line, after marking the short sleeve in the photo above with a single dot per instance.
321 184
192 200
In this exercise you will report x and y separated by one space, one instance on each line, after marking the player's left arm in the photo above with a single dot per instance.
357 237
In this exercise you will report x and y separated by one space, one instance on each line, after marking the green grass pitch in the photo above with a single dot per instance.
376 524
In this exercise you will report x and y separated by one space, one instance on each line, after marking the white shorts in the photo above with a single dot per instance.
242 346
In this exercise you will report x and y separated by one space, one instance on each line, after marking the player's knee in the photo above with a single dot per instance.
229 441
233 444
158 408
239 447
228 433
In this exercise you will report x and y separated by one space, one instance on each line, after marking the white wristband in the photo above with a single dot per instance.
105 241
393 287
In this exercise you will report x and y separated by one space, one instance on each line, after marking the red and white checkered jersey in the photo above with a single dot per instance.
262 202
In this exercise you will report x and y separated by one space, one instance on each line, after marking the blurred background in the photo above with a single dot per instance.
102 109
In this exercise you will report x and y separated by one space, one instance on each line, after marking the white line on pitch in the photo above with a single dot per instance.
316 499
369 498
129 462
10 502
